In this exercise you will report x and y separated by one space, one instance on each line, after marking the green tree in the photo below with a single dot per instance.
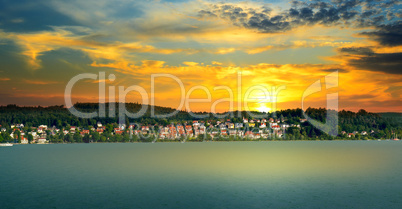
126 137
77 137
109 128
30 138
69 138
95 136
86 138
118 138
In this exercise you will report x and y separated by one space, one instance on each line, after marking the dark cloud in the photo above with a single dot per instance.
370 13
340 70
267 25
367 59
386 4
388 35
204 13
354 13
359 97
386 62
357 50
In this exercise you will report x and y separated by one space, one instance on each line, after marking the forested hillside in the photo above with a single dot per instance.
382 125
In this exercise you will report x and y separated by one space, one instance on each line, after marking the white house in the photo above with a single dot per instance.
42 140
273 124
44 127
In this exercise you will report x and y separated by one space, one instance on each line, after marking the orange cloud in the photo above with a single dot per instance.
191 63
36 82
152 63
259 49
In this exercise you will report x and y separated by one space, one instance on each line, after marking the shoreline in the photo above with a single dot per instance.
191 141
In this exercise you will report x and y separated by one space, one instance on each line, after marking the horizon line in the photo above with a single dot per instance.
64 106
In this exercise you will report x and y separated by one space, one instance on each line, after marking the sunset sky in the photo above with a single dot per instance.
45 43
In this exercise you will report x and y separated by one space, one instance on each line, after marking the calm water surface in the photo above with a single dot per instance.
319 174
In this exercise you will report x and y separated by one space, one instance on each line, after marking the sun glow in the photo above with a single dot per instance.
263 108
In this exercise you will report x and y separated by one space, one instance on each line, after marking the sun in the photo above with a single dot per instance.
263 108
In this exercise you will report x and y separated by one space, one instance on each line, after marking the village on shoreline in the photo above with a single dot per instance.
211 130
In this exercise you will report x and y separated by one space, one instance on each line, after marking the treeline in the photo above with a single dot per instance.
376 125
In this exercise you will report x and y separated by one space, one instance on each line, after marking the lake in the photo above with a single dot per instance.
291 174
